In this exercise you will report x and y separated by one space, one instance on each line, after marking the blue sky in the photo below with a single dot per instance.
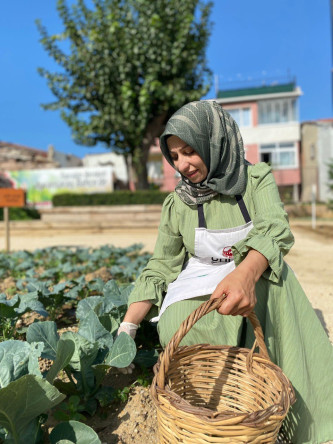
258 39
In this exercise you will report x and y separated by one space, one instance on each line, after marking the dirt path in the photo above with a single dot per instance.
311 258
88 238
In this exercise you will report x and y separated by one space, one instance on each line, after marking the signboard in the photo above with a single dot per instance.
42 185
11 198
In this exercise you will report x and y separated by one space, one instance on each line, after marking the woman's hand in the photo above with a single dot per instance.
239 286
130 329
134 315
240 291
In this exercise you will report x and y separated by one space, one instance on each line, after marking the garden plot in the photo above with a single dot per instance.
59 349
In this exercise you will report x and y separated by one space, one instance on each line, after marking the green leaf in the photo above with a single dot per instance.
93 331
85 352
146 358
92 303
84 356
75 432
18 358
45 332
105 396
7 306
122 353
100 370
65 387
65 441
22 401
65 350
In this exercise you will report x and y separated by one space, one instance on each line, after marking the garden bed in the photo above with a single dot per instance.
60 311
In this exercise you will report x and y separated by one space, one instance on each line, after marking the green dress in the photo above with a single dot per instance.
294 336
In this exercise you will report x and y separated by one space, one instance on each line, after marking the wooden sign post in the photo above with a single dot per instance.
10 197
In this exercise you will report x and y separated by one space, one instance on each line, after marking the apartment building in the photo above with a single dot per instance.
317 154
268 118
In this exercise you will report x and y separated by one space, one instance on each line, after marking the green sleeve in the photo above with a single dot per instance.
166 262
271 234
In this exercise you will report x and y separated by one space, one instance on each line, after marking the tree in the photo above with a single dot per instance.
126 65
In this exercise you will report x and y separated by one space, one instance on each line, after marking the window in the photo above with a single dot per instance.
279 155
277 111
242 116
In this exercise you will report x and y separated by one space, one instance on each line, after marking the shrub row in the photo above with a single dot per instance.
123 197
21 213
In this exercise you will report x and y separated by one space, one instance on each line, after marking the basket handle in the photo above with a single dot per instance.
187 324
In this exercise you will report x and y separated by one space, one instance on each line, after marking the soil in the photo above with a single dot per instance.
128 422
134 421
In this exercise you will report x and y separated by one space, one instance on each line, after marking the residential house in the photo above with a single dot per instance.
269 123
16 157
317 152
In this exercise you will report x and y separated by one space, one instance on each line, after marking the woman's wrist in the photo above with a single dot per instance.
254 265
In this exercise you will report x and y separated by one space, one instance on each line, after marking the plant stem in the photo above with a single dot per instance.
70 377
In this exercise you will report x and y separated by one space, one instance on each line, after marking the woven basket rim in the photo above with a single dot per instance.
252 419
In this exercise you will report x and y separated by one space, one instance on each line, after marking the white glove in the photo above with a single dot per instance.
130 329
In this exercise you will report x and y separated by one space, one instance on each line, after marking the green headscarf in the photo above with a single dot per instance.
215 136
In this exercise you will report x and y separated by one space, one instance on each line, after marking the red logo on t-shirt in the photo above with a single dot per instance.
226 252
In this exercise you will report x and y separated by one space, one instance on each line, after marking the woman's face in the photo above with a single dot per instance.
186 160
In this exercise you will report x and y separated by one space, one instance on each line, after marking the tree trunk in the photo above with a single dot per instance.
141 154
140 159
129 170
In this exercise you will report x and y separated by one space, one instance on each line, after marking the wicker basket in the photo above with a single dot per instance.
219 394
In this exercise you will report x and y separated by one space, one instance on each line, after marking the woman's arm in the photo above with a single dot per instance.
271 235
261 252
137 311
163 267
239 285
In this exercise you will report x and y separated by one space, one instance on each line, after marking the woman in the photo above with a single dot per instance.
224 230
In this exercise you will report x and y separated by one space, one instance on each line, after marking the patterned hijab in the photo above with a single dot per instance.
215 136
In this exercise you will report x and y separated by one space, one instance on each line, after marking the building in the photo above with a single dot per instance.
15 157
116 161
156 167
317 152
19 157
269 123
160 171
64 160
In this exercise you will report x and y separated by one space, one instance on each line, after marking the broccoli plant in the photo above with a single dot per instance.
91 359
12 309
25 396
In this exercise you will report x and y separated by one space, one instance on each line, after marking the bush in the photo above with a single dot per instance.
115 198
21 213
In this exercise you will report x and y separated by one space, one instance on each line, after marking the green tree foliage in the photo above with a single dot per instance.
126 65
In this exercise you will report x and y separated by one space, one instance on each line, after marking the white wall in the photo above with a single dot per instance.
325 155
271 133
117 162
